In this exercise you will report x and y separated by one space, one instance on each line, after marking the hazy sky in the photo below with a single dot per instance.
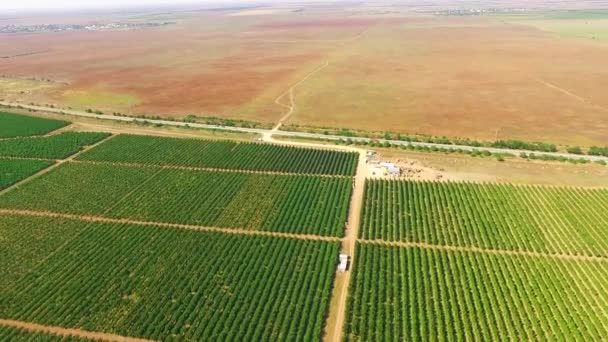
60 4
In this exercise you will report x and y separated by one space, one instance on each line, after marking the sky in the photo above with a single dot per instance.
79 4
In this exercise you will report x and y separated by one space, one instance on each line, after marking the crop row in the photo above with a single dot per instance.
27 241
14 170
162 284
15 125
294 204
416 294
52 147
223 155
524 218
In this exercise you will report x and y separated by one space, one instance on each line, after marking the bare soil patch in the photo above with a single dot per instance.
320 23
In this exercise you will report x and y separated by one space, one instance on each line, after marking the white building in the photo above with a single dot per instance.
391 169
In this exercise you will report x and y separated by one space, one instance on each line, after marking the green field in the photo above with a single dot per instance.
27 241
14 170
15 125
78 189
162 283
585 24
520 218
54 147
294 204
14 334
415 294
223 155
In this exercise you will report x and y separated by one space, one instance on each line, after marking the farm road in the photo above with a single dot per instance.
406 244
292 103
291 107
102 219
211 169
97 336
338 301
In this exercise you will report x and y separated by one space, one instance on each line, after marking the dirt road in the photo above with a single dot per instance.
291 107
97 336
209 169
337 309
473 249
103 219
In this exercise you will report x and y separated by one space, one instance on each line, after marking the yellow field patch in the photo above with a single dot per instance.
99 98
15 89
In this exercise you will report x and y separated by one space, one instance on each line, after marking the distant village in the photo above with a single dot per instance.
75 28
478 11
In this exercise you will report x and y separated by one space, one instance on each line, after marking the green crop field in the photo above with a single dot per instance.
162 283
53 147
14 334
15 125
14 170
27 241
223 155
78 189
285 203
522 218
582 24
416 294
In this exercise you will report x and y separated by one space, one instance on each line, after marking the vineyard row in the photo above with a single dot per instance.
506 217
174 284
288 204
15 170
58 146
417 294
16 125
223 155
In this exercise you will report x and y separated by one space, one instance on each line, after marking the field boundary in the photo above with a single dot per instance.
29 158
67 332
102 219
267 132
210 169
58 131
472 249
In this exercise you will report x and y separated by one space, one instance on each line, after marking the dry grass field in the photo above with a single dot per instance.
534 76
471 77
205 64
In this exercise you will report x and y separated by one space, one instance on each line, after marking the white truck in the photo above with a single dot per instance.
343 265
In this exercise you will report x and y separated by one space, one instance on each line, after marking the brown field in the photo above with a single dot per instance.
390 69
465 77
207 64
